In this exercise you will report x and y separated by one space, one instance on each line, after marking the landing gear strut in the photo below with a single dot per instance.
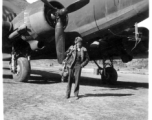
109 74
20 67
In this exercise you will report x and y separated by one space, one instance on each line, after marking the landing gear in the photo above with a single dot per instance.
20 67
22 71
109 74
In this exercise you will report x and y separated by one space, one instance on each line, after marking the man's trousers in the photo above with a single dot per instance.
75 72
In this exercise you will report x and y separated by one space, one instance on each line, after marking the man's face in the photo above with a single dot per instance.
79 44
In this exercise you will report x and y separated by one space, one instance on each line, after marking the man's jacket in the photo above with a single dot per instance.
72 56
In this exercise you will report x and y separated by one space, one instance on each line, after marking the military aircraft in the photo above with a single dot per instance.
107 27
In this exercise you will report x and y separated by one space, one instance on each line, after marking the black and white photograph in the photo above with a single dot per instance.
75 59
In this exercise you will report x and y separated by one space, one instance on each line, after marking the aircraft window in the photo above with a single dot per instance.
112 6
125 3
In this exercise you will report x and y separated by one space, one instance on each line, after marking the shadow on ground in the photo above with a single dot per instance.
44 77
106 95
49 77
119 84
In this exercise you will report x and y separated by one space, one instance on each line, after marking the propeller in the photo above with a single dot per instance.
60 40
49 5
74 6
59 28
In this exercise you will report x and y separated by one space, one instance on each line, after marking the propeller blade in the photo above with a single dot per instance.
77 5
49 5
60 41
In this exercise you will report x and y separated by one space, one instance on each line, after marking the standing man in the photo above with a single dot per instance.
78 59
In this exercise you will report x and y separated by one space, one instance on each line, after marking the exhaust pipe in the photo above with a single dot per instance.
36 45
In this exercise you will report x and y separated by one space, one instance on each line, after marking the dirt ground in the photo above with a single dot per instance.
41 100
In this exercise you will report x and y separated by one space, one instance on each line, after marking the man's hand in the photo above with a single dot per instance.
82 66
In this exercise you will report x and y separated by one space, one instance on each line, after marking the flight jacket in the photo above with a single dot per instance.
71 52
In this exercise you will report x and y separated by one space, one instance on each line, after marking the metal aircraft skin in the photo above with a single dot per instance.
56 23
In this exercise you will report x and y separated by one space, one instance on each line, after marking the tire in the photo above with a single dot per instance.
111 76
23 73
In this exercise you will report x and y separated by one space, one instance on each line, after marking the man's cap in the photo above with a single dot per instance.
78 39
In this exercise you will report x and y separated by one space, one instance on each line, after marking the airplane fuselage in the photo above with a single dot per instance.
92 21
98 16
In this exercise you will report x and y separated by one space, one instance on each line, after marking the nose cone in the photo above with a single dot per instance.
63 12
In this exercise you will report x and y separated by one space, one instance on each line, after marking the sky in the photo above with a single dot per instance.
31 1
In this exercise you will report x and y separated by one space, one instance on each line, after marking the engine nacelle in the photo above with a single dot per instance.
39 22
35 45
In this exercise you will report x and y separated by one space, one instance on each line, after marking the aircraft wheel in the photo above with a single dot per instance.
111 76
23 70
